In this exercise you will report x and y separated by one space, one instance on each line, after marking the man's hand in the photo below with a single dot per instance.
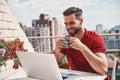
60 43
76 43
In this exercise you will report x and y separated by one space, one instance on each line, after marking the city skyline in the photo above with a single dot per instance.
105 12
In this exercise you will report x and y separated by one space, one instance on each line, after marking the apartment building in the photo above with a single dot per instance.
43 27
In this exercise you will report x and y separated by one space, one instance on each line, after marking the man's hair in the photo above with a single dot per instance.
73 10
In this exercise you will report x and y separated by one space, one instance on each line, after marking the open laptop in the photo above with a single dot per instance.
39 66
43 66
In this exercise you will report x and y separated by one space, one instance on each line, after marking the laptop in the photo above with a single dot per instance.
39 66
43 66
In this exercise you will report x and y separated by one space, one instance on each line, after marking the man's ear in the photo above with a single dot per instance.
81 20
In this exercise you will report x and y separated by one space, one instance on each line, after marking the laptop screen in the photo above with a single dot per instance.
40 65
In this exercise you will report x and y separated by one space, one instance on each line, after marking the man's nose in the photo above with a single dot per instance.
68 26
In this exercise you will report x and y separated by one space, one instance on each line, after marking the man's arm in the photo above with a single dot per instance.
58 55
98 61
59 45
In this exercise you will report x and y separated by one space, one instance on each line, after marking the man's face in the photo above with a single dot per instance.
73 25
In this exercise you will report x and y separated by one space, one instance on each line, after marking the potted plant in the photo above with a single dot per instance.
8 51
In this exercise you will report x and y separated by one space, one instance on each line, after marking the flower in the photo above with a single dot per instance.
8 51
2 51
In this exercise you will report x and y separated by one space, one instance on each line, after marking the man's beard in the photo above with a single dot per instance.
75 31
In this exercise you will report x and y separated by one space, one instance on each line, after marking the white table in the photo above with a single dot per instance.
74 75
80 75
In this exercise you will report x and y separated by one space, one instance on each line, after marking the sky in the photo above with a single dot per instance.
105 12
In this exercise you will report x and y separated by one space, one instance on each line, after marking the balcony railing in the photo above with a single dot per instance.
110 34
55 37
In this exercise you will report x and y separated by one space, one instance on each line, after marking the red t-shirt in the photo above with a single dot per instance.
76 60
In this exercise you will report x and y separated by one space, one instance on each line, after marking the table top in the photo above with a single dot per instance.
74 75
80 75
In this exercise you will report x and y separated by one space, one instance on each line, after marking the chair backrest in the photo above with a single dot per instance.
113 65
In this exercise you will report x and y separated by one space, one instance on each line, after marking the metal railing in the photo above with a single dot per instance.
55 37
110 34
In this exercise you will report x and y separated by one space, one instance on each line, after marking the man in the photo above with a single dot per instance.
87 51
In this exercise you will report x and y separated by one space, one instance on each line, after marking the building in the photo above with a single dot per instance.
99 28
114 40
45 26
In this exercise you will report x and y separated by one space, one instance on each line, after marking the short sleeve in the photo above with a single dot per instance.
98 44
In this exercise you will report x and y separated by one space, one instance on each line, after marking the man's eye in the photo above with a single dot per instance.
65 23
72 22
